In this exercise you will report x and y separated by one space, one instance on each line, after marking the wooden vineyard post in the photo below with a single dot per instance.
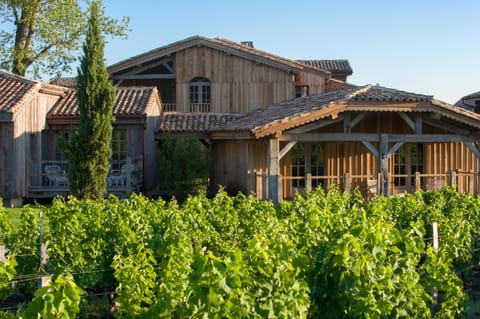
435 249
42 251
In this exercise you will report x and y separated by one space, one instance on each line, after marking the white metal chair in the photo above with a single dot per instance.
55 176
117 177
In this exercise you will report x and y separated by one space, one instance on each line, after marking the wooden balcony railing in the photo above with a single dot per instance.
169 107
200 107
465 182
47 179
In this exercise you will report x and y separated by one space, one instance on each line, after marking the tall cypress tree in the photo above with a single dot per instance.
88 151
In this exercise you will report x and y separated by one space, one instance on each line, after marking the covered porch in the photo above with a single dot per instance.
381 140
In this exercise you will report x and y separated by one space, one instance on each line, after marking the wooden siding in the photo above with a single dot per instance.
29 122
151 169
236 84
314 81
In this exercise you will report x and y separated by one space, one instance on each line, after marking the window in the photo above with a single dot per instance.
200 95
119 148
317 164
301 90
406 162
307 158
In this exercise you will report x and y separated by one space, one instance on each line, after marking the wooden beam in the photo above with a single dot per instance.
372 149
144 76
347 126
314 126
357 119
407 120
394 148
286 149
383 151
273 161
473 148
418 123
145 67
372 137
446 126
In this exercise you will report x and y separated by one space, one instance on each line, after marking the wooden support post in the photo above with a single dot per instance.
379 183
348 182
435 249
280 188
308 182
264 186
418 181
42 251
471 183
418 124
273 169
453 178
383 152
258 185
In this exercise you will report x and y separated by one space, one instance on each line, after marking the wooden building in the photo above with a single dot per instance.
199 74
24 104
276 126
33 113
381 140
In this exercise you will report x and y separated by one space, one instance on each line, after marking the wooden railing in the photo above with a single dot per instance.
169 107
48 179
200 107
369 185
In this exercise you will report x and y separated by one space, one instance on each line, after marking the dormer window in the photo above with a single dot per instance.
200 95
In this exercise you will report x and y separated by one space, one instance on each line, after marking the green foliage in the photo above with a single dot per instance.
323 255
44 36
23 244
60 299
5 225
185 165
88 151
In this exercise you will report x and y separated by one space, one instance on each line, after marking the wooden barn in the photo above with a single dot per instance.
378 139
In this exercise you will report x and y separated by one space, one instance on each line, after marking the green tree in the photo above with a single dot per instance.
44 35
185 166
88 151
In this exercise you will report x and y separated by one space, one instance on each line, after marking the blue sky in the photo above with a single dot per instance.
429 47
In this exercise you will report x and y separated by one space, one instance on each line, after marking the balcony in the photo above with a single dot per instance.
199 107
48 179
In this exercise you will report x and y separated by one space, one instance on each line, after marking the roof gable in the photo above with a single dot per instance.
226 46
15 91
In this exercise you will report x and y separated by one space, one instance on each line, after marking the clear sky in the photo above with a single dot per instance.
424 46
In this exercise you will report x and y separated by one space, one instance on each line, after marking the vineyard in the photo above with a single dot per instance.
322 255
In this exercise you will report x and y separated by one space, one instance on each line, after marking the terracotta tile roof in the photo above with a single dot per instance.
174 122
130 101
288 114
283 111
334 66
383 94
15 90
220 44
